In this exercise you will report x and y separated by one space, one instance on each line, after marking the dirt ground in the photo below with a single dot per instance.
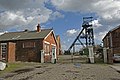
64 69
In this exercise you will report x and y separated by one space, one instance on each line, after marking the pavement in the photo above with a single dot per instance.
116 66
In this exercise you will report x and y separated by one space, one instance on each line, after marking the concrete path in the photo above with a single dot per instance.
116 67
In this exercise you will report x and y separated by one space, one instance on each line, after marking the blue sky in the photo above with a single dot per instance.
65 16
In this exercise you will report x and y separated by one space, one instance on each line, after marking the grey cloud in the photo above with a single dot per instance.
20 4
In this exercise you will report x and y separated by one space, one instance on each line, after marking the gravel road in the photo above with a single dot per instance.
64 71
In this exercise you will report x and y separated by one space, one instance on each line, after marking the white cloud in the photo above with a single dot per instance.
96 23
58 2
23 14
100 35
107 12
9 19
104 8
72 32
56 15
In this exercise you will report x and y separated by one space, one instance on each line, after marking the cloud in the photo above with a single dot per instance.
99 36
106 11
96 23
72 32
8 19
20 15
58 2
56 15
24 14
21 4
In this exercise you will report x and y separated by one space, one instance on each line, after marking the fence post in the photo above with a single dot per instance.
91 54
42 56
105 55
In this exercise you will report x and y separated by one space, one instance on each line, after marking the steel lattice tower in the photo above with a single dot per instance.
86 33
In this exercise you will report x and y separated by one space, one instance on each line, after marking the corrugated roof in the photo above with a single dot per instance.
25 35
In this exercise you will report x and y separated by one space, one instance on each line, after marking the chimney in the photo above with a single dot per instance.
38 28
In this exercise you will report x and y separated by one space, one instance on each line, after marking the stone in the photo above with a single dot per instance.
2 65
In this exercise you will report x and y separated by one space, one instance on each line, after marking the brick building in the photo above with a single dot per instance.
111 42
27 45
59 45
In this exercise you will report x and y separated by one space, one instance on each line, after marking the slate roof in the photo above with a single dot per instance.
111 31
24 35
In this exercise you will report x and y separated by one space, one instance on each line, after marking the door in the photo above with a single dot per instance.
53 60
11 52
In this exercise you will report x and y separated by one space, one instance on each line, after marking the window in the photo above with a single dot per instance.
47 48
28 44
3 50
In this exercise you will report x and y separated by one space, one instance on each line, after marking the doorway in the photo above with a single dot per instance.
53 60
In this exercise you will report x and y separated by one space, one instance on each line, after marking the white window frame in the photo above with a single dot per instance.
29 47
3 44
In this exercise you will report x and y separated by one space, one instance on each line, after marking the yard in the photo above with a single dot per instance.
64 69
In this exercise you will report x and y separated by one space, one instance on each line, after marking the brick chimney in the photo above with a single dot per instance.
38 28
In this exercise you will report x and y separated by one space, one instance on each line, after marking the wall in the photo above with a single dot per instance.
28 54
112 43
116 41
0 52
59 52
11 52
51 41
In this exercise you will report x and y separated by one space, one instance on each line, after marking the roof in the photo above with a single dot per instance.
112 31
25 35
114 28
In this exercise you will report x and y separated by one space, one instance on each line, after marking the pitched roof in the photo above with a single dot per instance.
111 31
114 28
25 35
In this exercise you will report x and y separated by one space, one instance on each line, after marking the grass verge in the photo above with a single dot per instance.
16 65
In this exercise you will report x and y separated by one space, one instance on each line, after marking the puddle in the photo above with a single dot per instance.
77 64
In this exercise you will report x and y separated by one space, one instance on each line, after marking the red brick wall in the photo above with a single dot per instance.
116 40
28 54
51 40
58 45
114 47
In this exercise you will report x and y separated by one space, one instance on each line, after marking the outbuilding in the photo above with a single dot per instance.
111 44
29 46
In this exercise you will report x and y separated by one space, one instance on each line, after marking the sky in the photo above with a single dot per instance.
64 16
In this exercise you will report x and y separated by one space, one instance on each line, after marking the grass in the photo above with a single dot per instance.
11 67
14 66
